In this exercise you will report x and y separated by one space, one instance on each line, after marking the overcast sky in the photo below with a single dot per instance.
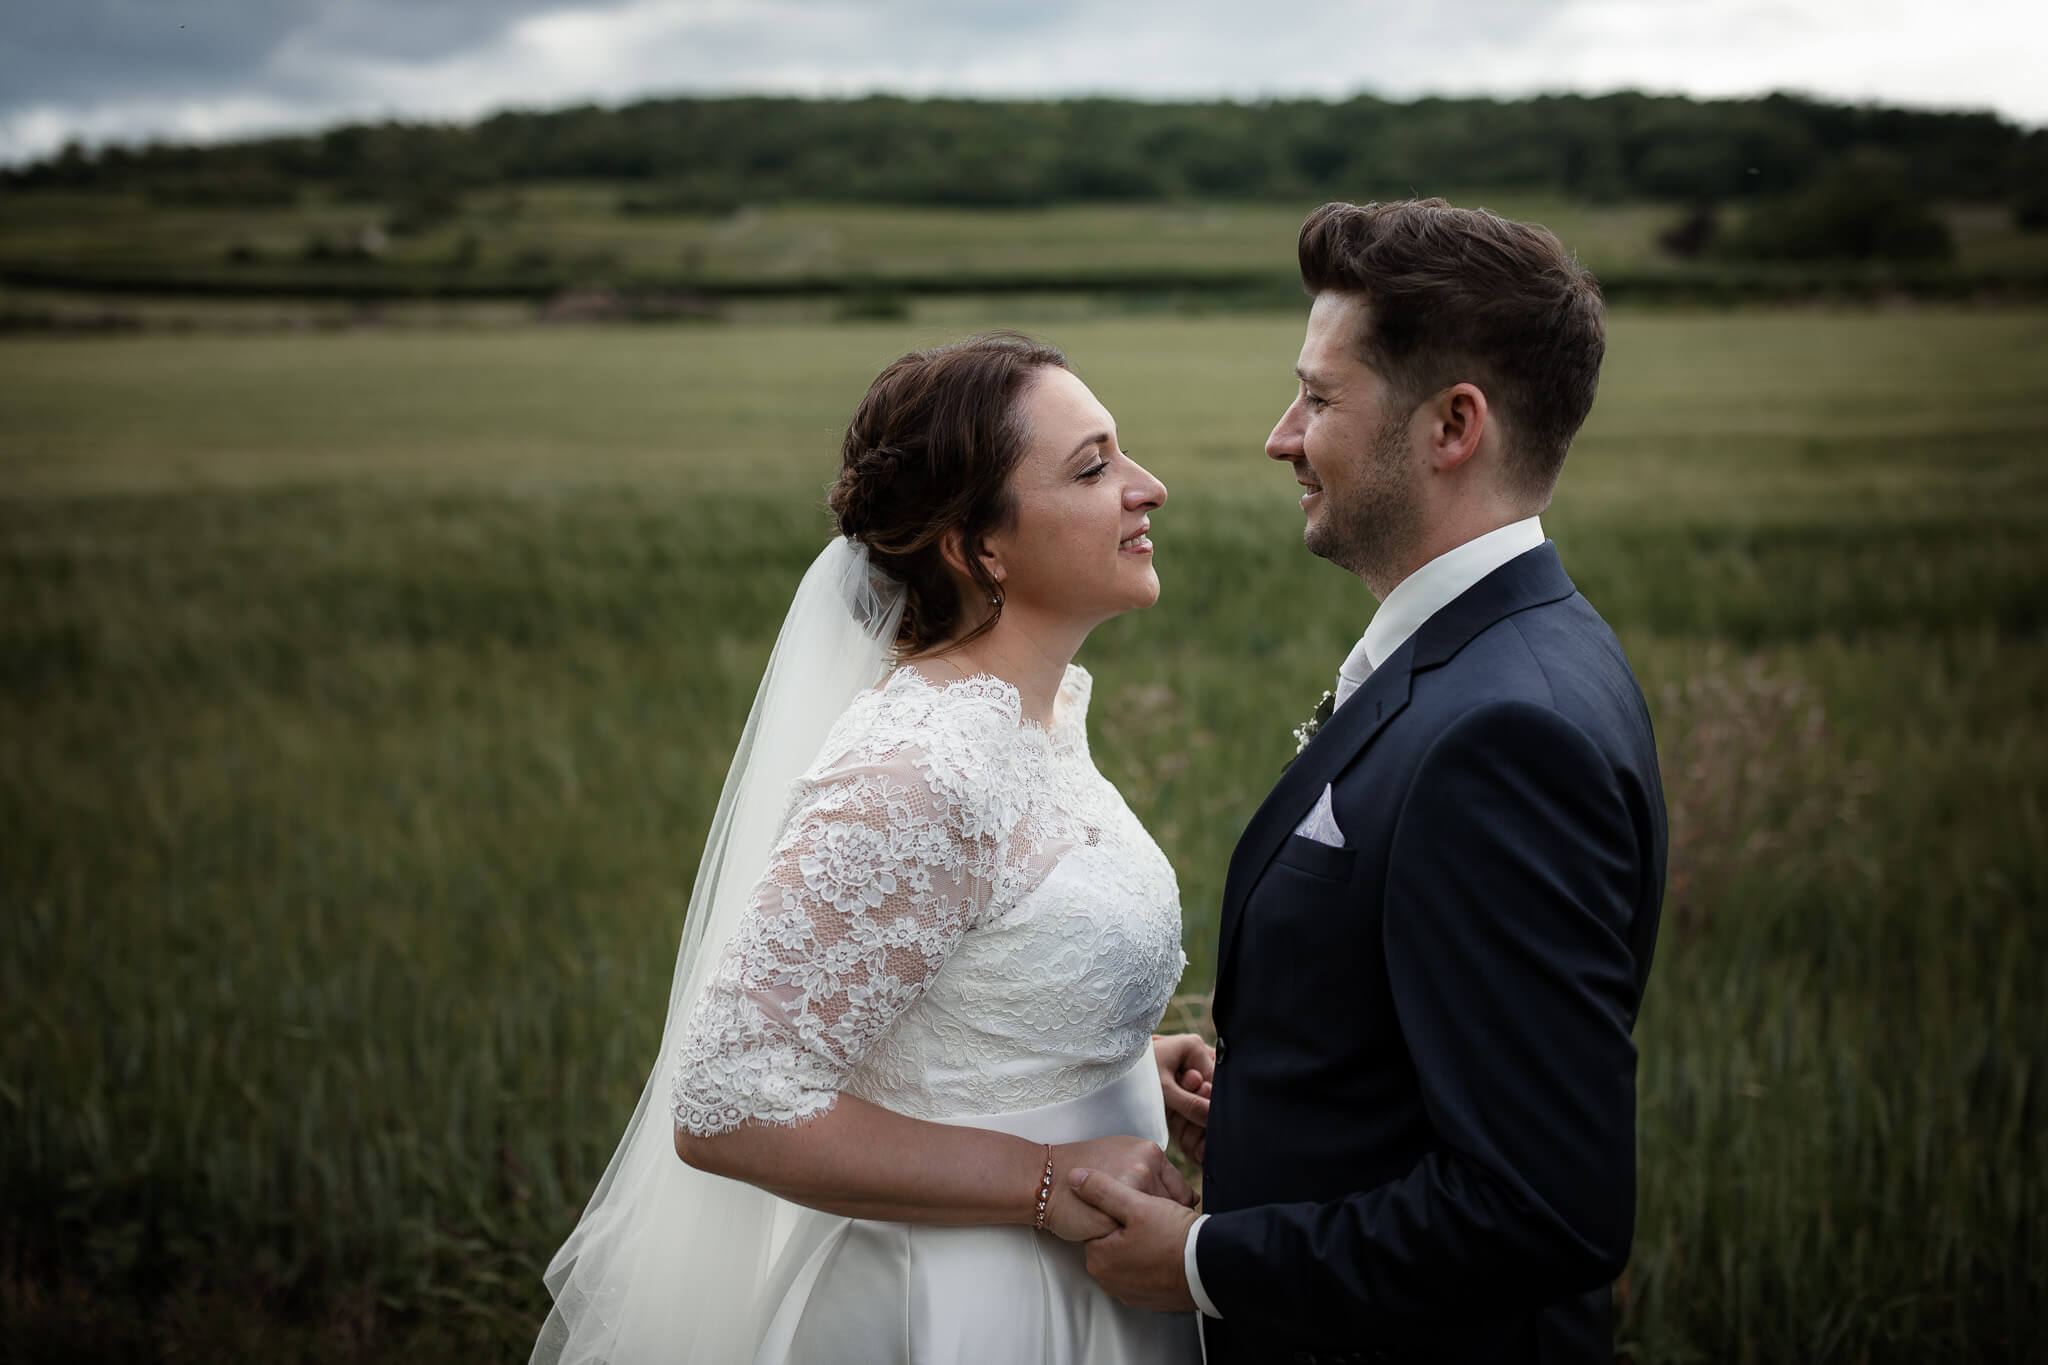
132 70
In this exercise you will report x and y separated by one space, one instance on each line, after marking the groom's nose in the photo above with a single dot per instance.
1285 441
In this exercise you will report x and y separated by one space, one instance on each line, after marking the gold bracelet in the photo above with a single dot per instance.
1044 1192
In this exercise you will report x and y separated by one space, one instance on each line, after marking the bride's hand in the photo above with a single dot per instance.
1132 1161
1187 1071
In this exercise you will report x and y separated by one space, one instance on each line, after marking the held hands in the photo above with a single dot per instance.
1187 1071
1130 1161
1137 1255
1140 1261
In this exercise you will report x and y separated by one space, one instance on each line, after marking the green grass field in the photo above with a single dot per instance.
576 232
363 699
572 223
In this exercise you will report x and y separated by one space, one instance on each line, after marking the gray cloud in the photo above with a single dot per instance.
127 70
83 52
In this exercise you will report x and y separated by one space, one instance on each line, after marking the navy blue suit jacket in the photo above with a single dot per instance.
1422 1138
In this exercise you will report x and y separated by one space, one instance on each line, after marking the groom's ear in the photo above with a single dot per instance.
1458 422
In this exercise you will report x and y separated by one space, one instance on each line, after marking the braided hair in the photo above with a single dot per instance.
931 449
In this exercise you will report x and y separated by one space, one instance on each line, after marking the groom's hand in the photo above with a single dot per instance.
1140 1262
1187 1070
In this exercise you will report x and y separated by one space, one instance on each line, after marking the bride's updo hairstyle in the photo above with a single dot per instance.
930 450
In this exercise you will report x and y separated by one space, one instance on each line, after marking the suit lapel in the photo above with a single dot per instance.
1349 729
1528 580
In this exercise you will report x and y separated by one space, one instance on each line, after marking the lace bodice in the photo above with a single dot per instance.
961 917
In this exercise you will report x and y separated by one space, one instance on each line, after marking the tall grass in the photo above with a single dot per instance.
349 808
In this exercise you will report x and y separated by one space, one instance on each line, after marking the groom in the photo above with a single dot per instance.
1436 930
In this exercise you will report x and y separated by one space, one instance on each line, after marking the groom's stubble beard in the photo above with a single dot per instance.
1374 528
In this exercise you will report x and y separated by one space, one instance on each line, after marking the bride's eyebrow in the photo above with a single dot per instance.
1086 445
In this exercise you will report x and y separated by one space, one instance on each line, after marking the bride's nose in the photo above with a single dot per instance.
1144 491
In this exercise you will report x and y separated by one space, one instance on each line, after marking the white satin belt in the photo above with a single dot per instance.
858 1290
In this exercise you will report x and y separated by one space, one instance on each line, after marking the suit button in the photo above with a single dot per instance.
1219 1049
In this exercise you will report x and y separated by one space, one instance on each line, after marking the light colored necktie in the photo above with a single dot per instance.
1353 673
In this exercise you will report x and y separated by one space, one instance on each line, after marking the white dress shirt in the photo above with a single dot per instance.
1428 591
1414 600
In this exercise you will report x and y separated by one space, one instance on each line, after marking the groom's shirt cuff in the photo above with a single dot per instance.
1187 1260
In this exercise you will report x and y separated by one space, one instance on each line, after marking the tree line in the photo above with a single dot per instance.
709 154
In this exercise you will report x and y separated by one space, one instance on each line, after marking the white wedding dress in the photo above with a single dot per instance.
961 921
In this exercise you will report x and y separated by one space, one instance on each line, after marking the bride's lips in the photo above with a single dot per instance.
1139 544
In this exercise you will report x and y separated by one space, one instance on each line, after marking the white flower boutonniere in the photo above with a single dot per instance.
1306 731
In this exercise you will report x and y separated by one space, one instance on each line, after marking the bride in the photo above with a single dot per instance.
928 941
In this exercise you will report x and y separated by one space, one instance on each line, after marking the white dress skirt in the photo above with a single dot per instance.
853 1289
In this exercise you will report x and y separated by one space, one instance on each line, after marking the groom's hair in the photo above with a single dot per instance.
1462 295
931 449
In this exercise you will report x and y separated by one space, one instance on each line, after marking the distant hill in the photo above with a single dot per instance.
714 154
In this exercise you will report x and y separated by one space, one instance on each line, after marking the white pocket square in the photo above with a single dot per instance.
1321 823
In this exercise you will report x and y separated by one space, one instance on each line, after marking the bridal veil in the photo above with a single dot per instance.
669 1263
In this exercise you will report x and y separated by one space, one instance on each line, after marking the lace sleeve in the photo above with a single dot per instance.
881 869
